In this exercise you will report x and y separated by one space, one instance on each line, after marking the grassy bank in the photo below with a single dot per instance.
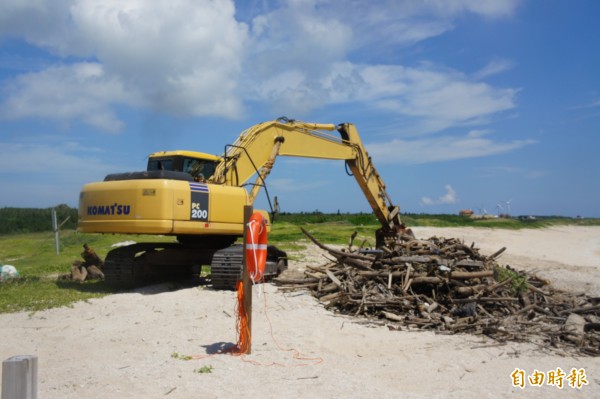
38 286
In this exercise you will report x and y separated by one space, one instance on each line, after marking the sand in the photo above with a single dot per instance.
123 346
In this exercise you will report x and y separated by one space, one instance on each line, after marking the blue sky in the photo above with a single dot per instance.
461 103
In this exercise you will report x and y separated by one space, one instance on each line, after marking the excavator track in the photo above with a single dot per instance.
145 263
227 265
120 263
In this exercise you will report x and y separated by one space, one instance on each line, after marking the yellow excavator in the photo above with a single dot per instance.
199 198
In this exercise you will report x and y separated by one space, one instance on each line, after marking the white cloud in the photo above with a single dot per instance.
436 149
182 57
193 58
68 161
40 22
375 23
441 98
434 99
80 91
451 197
299 60
592 104
475 133
493 68
489 8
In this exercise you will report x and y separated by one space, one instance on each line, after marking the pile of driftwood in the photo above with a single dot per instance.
447 286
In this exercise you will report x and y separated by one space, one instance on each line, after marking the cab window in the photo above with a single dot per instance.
199 167
160 164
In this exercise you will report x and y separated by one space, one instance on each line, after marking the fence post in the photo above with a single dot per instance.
19 377
55 229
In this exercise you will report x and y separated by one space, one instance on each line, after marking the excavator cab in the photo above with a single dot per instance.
198 164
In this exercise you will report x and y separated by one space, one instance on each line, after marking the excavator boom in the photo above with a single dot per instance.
257 148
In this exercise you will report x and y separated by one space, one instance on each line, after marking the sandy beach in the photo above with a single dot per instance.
130 345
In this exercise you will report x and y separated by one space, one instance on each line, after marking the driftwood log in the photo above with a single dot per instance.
447 286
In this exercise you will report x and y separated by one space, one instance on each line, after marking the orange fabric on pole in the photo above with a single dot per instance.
244 335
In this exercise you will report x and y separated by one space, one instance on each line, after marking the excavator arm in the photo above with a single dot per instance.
255 152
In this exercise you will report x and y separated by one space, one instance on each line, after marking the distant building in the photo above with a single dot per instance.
465 212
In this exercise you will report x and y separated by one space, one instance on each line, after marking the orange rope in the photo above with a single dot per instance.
296 352
243 326
244 339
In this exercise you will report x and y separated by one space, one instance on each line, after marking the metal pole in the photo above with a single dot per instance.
55 229
248 209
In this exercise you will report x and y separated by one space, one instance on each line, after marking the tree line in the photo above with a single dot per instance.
31 220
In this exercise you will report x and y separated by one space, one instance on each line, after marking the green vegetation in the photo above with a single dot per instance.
204 370
518 282
178 356
355 219
29 220
287 235
438 220
39 286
